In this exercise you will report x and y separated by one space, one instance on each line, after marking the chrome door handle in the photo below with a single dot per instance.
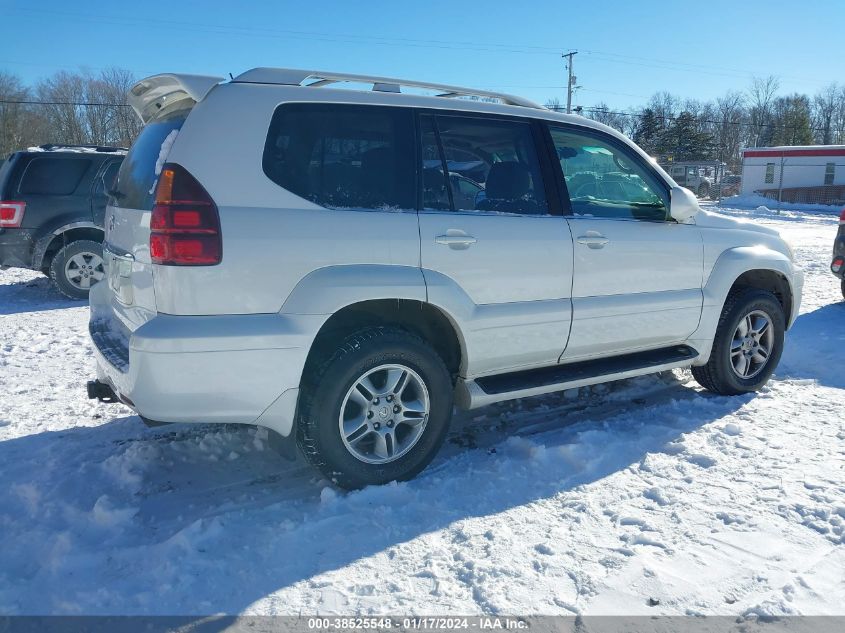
456 241
593 239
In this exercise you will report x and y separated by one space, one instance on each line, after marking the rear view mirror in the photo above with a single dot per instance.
683 204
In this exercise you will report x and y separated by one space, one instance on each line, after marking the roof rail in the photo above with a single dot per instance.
52 147
294 77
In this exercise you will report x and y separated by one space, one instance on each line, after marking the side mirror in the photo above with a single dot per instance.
683 204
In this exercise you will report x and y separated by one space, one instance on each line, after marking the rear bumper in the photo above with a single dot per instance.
16 246
229 369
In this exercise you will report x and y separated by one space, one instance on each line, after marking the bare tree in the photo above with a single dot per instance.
824 107
554 104
603 114
82 108
125 123
761 94
20 123
730 112
665 106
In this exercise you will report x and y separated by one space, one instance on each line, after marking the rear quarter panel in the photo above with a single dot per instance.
271 238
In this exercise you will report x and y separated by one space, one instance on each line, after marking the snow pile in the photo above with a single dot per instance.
768 205
645 496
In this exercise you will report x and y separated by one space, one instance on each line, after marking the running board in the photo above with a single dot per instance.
471 394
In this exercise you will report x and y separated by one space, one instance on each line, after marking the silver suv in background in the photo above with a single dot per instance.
343 266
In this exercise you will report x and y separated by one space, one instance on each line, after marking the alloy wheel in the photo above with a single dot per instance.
752 344
384 413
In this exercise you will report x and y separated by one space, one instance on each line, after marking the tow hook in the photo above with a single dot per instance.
100 391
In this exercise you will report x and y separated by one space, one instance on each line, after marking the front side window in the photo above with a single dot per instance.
770 173
829 173
343 156
53 176
605 181
489 165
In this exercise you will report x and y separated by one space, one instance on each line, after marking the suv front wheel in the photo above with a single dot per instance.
376 410
77 267
747 346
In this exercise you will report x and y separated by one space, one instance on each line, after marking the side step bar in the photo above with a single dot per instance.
489 389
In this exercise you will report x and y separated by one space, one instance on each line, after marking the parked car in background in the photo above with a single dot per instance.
52 205
731 185
693 176
837 266
322 263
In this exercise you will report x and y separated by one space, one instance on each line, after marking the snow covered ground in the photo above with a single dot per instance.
646 496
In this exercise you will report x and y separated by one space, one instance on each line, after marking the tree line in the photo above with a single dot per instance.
86 108
76 108
671 128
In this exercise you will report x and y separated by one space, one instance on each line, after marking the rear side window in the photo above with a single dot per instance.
343 156
138 175
53 176
488 164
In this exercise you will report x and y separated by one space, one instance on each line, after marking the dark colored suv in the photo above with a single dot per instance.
52 204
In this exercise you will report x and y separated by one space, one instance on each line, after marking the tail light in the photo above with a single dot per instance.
11 214
836 266
841 217
185 225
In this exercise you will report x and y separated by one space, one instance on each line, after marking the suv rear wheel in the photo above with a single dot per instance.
747 346
376 410
77 267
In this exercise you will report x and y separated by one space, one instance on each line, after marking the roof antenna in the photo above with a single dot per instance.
230 77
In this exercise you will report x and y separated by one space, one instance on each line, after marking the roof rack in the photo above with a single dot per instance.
52 147
318 78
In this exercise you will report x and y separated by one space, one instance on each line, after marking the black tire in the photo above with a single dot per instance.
90 252
718 374
703 191
842 287
324 391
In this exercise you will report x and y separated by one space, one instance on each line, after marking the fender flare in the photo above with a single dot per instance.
734 262
44 242
328 290
332 288
730 266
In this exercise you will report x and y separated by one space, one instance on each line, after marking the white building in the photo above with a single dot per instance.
807 170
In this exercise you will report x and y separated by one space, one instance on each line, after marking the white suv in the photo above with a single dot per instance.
343 266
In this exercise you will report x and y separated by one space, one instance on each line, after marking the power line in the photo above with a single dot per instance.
86 104
494 47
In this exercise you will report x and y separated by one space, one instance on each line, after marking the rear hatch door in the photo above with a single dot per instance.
127 220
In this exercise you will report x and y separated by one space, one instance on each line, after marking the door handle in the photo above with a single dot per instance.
593 239
456 241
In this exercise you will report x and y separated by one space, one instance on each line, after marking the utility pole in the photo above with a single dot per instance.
570 84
